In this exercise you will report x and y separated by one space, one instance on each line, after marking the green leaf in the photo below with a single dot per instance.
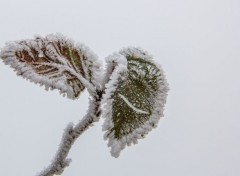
134 98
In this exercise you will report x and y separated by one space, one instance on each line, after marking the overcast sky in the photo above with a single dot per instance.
197 42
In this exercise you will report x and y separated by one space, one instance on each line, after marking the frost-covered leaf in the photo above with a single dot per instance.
53 61
135 94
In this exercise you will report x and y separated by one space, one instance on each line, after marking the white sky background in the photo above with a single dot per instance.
196 42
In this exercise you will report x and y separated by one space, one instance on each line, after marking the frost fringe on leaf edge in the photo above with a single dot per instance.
120 67
29 74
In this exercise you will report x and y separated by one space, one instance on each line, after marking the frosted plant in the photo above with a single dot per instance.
130 95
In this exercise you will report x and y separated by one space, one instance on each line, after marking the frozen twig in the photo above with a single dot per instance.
71 133
132 92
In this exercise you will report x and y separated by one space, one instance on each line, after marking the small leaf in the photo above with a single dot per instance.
134 98
55 62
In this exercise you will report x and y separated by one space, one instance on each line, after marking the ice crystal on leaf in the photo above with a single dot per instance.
134 98
130 96
55 62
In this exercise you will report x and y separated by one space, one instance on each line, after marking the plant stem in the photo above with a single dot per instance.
70 135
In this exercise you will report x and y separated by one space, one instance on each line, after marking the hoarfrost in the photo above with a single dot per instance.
118 70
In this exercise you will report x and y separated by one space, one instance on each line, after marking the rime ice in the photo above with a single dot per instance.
135 94
132 91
